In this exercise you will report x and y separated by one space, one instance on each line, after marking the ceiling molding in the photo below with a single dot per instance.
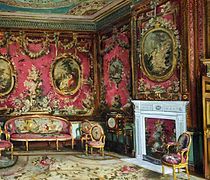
6 22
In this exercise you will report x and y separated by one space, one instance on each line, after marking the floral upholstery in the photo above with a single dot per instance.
38 128
95 143
179 158
37 125
172 158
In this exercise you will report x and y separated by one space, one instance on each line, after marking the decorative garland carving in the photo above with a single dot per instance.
158 92
4 40
115 40
25 41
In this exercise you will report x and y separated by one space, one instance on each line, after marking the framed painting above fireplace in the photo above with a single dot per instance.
159 54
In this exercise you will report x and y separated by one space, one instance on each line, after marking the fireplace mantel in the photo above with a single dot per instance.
174 111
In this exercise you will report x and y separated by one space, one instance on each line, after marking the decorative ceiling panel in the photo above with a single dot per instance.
89 7
46 4
70 7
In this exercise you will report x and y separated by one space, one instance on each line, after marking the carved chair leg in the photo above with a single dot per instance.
82 143
174 173
91 150
12 152
163 172
26 145
187 171
102 149
57 144
72 143
86 149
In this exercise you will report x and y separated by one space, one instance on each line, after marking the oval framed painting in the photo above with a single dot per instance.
7 76
159 54
66 75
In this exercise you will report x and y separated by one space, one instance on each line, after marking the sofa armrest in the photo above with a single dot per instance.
6 133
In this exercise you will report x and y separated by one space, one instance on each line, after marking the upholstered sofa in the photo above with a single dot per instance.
39 128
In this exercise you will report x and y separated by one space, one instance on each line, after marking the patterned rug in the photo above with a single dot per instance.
77 167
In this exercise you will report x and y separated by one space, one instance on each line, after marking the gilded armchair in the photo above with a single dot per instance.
178 159
5 144
97 139
85 127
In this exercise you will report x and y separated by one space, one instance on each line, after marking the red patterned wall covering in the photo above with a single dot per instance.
115 47
168 89
43 64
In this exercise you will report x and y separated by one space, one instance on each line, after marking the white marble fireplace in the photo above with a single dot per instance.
173 111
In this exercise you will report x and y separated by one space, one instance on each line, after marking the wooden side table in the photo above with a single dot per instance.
6 145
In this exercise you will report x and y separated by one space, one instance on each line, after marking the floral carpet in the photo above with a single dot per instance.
76 167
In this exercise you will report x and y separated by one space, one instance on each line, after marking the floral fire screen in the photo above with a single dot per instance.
158 133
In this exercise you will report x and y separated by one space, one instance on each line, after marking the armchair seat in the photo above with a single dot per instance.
95 144
172 158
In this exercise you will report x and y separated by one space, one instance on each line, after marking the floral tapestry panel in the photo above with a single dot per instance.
158 53
117 63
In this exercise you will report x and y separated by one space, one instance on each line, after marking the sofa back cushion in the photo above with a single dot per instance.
38 124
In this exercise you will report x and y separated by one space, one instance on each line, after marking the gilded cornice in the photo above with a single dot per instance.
7 22
114 16
142 6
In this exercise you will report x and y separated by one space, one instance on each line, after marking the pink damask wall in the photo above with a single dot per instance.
24 63
116 83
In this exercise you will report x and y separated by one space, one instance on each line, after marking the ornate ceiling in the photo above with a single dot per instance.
62 14
70 7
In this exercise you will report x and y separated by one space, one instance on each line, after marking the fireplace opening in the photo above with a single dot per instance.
158 132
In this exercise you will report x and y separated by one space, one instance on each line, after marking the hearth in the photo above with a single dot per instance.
156 123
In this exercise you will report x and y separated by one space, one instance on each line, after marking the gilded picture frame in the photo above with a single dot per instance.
66 74
7 76
159 54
